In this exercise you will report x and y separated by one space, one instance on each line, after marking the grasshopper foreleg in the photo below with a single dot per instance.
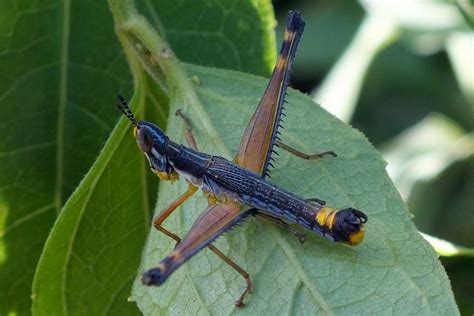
236 267
188 133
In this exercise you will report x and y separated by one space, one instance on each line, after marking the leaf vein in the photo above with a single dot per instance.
289 253
25 219
63 86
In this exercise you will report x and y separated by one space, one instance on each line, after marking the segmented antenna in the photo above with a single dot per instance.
125 109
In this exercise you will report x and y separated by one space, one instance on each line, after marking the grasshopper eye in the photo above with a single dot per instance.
144 140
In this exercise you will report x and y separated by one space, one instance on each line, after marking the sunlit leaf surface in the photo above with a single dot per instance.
394 270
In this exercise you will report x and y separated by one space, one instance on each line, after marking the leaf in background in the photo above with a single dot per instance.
349 72
424 16
393 270
446 248
460 49
329 28
466 9
424 151
443 208
58 64
91 255
221 34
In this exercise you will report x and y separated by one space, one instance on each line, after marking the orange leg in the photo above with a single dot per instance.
157 221
240 270
302 155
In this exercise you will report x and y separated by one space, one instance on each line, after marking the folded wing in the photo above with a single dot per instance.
262 131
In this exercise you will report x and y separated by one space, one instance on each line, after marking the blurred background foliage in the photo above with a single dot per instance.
402 72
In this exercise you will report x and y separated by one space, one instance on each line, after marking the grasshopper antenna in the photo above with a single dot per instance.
125 109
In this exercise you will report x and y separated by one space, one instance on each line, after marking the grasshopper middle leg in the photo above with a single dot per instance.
301 236
303 155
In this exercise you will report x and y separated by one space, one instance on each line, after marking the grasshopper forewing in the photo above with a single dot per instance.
238 189
261 132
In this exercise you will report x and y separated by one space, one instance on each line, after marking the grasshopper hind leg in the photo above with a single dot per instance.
156 276
240 270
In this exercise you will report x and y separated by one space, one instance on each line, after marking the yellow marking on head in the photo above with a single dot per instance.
356 238
135 131
166 176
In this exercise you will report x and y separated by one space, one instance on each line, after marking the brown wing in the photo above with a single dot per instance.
259 137
215 220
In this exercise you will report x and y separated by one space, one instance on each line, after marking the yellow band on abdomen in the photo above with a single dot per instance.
325 217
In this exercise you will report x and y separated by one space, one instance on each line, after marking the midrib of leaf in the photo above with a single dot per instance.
77 224
63 86
290 254
414 285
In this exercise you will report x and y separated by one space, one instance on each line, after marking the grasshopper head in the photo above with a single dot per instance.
152 141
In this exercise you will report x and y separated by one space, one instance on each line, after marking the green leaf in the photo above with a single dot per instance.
58 65
394 270
92 253
221 34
